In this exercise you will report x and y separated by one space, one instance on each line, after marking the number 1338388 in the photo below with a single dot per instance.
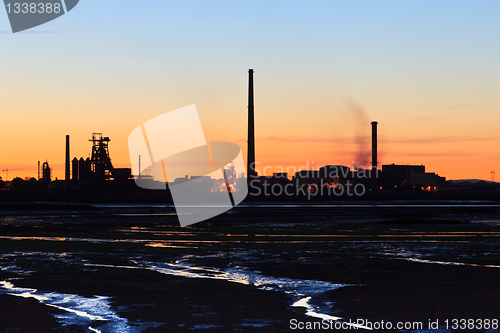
33 7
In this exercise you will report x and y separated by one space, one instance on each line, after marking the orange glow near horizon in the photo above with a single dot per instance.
455 159
428 72
454 141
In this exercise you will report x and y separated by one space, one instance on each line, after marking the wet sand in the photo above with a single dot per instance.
243 270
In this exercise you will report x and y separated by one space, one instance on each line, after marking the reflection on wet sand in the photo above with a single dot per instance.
79 310
322 260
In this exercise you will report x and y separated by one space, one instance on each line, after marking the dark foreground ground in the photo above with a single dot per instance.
242 271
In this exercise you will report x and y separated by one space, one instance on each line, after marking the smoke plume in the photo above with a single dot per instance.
362 137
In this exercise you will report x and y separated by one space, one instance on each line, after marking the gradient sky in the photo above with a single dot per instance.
427 71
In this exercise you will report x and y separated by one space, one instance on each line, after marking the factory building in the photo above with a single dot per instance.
97 169
409 176
330 175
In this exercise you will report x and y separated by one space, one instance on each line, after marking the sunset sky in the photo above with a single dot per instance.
427 71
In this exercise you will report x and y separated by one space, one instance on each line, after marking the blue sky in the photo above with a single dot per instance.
418 67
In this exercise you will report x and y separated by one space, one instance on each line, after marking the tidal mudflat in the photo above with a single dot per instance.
256 268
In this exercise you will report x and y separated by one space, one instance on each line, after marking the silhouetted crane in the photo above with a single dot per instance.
7 173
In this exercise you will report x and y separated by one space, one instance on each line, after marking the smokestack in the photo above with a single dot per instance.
251 135
67 159
374 157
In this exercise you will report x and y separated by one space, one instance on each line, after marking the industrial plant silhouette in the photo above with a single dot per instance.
96 179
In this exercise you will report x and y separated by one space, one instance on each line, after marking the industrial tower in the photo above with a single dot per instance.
101 163
251 130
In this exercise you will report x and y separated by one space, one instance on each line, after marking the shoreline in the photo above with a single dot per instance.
386 259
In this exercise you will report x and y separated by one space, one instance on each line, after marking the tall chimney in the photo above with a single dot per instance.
67 176
251 135
374 157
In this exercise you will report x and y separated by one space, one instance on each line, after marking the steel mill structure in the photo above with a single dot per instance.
98 167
